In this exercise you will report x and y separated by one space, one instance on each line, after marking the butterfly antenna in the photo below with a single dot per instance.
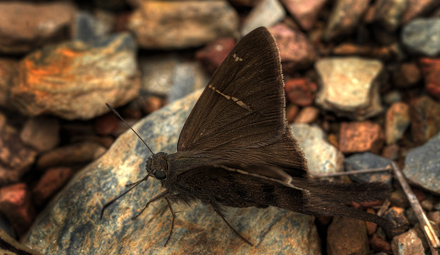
119 116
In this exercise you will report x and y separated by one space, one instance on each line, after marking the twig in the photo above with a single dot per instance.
433 241
363 171
384 207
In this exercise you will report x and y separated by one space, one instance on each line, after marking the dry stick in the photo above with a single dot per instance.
433 241
384 207
364 171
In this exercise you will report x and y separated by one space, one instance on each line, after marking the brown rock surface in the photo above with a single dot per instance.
176 24
15 157
425 119
74 80
25 26
347 236
297 52
360 136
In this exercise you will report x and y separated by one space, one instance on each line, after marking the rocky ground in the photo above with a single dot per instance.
362 82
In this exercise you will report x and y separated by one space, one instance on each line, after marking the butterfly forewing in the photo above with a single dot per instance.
243 103
241 111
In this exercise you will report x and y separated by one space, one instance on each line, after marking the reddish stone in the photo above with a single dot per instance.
42 133
391 152
79 153
379 244
106 124
15 157
214 53
420 195
406 75
305 12
425 119
291 112
300 91
16 205
51 182
370 204
371 226
431 74
381 52
153 103
297 52
360 136
307 115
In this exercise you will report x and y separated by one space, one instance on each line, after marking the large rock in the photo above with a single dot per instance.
71 225
181 24
74 80
27 26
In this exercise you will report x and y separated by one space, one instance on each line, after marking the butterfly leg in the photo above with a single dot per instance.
172 221
161 195
217 210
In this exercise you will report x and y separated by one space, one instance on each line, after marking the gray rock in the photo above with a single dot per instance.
71 225
422 165
188 77
88 28
368 160
350 86
170 76
422 36
322 157
267 13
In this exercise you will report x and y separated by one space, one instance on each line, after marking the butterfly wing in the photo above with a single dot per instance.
241 113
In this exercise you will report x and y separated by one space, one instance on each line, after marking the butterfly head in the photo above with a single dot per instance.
157 166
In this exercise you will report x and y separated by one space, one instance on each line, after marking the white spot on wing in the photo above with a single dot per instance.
236 100
237 58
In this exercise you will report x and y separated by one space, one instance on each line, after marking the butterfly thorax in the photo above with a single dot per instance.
157 166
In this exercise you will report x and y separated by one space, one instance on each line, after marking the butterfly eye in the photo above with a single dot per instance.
160 175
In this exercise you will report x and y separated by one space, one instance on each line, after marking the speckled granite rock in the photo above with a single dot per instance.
422 165
322 157
361 161
71 225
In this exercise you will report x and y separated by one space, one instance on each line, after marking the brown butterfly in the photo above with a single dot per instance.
237 150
